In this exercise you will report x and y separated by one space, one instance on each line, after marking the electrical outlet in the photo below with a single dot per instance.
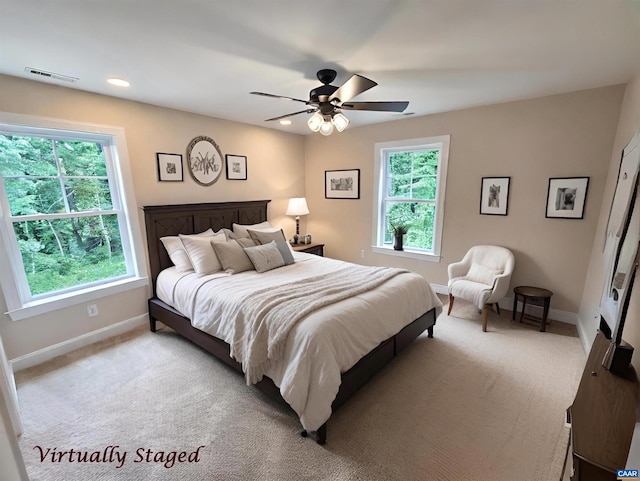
92 310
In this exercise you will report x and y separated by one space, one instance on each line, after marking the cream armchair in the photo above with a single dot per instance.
482 277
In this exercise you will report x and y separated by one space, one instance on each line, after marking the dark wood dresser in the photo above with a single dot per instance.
602 419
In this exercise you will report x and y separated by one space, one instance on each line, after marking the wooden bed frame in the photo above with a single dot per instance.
171 220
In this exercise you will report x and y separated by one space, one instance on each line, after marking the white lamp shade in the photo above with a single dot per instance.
326 128
340 121
297 206
315 121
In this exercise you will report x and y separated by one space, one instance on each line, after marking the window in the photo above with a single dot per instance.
63 215
410 180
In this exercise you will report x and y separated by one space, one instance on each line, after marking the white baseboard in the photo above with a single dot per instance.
43 355
507 303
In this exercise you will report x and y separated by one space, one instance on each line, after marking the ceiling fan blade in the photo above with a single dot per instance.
278 97
376 106
352 87
308 111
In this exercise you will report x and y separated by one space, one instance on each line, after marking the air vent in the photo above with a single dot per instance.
50 75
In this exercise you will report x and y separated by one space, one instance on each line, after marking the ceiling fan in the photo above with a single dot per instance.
327 101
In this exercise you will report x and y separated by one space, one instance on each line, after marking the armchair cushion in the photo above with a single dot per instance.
474 292
482 274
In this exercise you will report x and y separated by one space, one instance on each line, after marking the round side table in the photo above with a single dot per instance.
535 296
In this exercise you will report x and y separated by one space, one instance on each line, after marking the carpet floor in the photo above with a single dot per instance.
465 405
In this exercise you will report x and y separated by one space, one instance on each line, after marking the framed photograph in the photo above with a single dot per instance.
566 196
169 167
236 167
342 184
494 195
204 160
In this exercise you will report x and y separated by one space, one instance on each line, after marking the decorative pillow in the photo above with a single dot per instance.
201 253
482 274
232 256
246 242
241 230
285 251
265 257
266 236
177 254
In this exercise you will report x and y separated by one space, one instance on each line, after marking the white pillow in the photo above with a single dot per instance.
265 257
242 230
177 254
482 274
201 253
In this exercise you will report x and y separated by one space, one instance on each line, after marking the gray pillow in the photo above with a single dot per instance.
264 236
285 252
232 257
265 257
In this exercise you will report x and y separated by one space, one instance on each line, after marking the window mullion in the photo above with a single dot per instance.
63 191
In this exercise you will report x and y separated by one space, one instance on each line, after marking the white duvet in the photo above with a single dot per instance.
321 346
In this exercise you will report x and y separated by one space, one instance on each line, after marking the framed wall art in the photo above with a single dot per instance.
566 197
342 184
204 160
169 167
236 167
494 195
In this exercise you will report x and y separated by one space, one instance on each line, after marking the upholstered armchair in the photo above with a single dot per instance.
482 277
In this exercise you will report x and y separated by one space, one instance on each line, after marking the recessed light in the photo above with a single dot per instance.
285 122
118 82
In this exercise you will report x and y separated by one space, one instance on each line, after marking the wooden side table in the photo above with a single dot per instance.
535 296
317 249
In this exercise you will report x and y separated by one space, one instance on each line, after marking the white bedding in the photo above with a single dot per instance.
320 347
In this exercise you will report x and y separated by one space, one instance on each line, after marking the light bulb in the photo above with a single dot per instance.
326 128
340 121
315 121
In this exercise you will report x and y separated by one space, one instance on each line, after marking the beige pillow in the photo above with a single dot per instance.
265 257
177 254
241 230
266 236
482 274
201 253
232 256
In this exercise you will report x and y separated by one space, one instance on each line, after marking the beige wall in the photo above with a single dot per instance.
530 141
558 136
628 124
275 171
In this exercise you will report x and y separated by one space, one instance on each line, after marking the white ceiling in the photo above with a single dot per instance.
205 56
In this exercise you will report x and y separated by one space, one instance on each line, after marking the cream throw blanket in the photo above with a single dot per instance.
265 317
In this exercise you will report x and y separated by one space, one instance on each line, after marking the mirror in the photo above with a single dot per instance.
622 236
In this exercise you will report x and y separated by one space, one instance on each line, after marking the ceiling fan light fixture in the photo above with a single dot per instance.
315 122
340 121
326 128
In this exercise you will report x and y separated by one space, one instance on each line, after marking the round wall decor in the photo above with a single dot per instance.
204 160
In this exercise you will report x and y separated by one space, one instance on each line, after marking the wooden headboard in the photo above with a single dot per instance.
171 220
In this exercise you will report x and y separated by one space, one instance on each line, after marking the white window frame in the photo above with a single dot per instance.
12 276
382 150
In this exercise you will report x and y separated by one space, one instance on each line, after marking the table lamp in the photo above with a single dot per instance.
297 206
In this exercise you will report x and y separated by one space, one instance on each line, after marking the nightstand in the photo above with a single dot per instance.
317 249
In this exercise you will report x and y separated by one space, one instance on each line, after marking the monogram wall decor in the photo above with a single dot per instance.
204 160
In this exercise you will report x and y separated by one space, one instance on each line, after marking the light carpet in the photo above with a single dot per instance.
465 405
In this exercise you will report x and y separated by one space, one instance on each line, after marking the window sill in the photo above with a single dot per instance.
413 254
44 306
